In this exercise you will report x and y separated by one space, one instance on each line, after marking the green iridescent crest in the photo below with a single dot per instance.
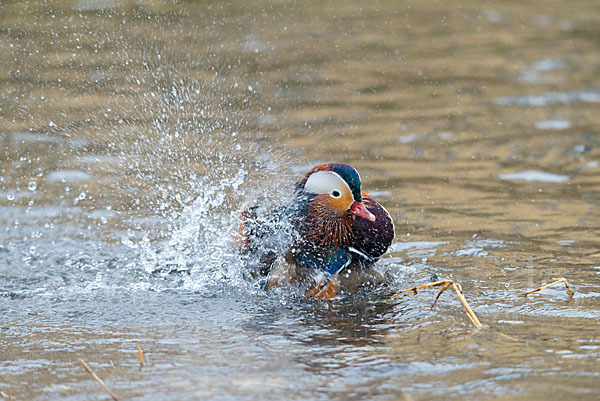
350 175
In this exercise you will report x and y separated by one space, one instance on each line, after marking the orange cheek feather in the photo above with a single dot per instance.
341 204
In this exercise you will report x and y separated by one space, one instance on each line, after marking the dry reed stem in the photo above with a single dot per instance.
472 316
6 396
554 282
91 372
445 284
140 355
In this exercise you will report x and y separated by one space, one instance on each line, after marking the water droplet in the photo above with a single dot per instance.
32 250
82 195
10 196
32 186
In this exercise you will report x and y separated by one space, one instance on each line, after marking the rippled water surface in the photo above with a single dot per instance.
131 134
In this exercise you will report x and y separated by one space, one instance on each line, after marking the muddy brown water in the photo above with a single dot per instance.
132 132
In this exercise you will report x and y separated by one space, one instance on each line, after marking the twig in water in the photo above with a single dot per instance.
554 282
91 372
140 355
445 284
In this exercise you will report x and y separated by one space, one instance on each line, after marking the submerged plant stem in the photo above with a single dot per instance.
91 372
445 284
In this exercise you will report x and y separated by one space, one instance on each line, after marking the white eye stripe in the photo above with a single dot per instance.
326 182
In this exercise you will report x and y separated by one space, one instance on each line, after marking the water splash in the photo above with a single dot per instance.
199 252
159 164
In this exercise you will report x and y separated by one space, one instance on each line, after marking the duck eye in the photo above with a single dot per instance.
335 193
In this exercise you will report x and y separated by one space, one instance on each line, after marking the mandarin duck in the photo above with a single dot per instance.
327 239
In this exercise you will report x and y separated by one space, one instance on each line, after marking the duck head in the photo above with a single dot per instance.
333 192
